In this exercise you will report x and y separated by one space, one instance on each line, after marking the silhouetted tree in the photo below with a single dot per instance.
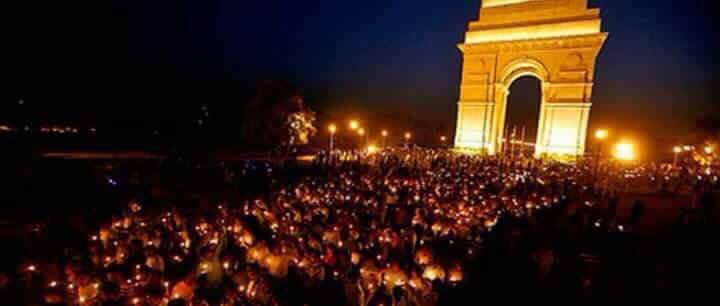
276 115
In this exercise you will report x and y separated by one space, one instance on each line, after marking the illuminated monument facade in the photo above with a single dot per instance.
556 41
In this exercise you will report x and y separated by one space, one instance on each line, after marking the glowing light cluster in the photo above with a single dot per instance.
354 124
602 134
625 151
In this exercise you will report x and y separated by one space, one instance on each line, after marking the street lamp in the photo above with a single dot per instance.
443 140
408 136
354 125
709 150
625 151
384 134
602 134
362 133
677 150
332 129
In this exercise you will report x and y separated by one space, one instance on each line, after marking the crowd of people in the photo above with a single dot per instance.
395 227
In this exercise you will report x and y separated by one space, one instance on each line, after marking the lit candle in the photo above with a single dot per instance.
455 274
423 256
433 272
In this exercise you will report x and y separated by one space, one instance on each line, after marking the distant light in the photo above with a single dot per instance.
443 138
384 133
677 149
361 131
408 135
354 124
709 150
21 102
601 134
687 148
371 149
625 151
332 128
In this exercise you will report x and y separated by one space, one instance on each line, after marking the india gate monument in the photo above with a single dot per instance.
555 41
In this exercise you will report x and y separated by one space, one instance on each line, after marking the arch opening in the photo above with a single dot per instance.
522 118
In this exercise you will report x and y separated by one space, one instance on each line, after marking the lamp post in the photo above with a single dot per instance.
709 150
354 126
332 129
600 136
363 134
443 140
676 150
408 136
384 135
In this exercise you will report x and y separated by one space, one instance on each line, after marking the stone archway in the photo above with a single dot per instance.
514 70
556 41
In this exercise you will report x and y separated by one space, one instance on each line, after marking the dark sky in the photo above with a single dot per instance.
141 58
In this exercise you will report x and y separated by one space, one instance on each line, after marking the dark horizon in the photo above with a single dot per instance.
142 62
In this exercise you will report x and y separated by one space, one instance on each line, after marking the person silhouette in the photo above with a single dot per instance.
638 211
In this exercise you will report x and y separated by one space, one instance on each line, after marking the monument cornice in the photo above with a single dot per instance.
482 26
555 43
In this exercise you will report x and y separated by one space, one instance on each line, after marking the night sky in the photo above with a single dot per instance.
140 59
